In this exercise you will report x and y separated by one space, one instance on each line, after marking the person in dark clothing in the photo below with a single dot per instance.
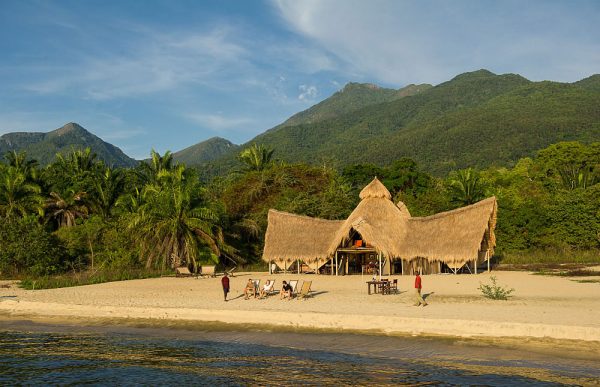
286 291
225 284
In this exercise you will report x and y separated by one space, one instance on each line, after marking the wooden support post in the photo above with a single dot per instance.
476 264
332 265
298 266
487 255
270 267
336 263
380 266
284 267
346 264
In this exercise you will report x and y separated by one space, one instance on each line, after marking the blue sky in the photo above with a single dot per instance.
168 74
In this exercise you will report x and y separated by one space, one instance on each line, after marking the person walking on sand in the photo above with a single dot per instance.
418 299
225 284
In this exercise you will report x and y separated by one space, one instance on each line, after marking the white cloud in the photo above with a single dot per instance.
218 122
155 63
308 93
397 42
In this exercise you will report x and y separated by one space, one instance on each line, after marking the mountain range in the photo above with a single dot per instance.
475 119
43 147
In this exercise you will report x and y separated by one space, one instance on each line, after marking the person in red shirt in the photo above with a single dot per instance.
225 284
418 298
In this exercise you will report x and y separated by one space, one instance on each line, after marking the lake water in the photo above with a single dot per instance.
38 354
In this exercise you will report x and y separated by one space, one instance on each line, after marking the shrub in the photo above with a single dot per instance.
495 291
27 247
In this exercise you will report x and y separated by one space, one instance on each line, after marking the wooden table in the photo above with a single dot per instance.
384 285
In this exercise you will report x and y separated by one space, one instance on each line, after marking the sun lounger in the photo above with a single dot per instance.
305 290
183 271
208 271
256 287
294 285
268 289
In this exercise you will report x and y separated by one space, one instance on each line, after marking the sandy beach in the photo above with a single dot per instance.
542 306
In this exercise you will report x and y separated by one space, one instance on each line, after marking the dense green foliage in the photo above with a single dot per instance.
78 221
477 120
44 146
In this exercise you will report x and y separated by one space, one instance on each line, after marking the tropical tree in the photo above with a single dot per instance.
18 197
107 189
150 170
19 161
256 157
64 210
575 164
174 223
76 171
466 186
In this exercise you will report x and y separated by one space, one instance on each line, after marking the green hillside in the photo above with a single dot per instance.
476 119
352 97
43 147
204 151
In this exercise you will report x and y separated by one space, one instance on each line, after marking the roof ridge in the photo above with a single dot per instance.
454 211
305 216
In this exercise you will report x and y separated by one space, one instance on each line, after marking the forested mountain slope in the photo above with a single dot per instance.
43 147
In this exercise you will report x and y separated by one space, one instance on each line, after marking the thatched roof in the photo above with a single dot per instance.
377 219
290 237
453 237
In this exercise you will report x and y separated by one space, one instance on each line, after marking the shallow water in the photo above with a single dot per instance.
39 354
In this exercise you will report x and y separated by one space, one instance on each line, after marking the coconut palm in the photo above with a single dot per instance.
18 197
66 209
256 157
466 186
174 223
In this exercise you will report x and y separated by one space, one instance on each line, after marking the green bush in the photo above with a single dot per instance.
495 291
28 248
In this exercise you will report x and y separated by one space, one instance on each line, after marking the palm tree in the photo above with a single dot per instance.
256 157
466 186
174 224
107 189
66 209
77 162
156 165
18 197
20 162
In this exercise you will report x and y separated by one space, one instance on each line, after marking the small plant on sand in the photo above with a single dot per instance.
495 291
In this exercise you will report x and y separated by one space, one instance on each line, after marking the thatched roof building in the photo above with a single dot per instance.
453 238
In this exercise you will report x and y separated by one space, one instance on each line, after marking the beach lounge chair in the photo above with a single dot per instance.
294 285
207 271
256 287
268 289
305 290
183 271
230 271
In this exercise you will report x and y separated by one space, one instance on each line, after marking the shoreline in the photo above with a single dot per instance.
309 321
543 308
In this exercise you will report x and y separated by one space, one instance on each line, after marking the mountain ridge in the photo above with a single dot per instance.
43 146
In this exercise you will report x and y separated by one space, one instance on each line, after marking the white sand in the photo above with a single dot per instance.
542 306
